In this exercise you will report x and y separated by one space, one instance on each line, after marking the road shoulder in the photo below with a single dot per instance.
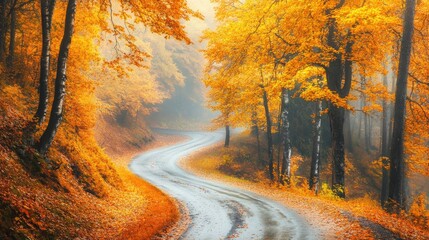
162 217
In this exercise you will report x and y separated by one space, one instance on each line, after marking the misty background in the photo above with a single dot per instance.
186 107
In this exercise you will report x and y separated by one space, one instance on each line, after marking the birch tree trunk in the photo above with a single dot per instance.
287 149
60 81
47 9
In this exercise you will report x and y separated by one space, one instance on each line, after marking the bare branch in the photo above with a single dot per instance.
284 41
418 80
419 105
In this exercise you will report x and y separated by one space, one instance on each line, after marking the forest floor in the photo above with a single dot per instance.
359 218
60 203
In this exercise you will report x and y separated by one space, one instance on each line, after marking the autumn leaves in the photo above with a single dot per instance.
163 18
315 50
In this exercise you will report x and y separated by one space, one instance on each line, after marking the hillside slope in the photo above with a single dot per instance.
77 192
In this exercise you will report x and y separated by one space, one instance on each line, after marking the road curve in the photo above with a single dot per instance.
217 211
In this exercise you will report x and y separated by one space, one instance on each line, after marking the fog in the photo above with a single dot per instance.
186 107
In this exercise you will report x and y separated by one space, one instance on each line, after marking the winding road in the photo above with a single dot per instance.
217 211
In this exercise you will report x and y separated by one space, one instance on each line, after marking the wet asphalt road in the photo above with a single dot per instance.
217 211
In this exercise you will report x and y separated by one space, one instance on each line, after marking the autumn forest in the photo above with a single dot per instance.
214 119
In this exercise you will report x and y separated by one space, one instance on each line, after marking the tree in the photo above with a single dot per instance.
385 132
3 28
47 10
417 118
397 185
285 173
227 136
60 81
315 156
12 33
338 66
340 38
269 135
169 26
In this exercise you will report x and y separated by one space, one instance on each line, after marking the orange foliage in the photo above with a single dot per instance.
77 192
61 206
360 218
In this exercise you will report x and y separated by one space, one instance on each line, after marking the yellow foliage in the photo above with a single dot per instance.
15 96
418 211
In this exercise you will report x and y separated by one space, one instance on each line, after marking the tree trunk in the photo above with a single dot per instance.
11 57
227 136
315 157
367 133
60 81
255 132
397 186
287 149
361 120
348 131
384 151
279 146
258 142
269 136
336 117
334 74
47 9
3 29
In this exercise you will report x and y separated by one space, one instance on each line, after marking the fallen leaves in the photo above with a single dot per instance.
360 218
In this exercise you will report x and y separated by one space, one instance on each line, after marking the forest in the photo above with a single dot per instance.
324 101
349 62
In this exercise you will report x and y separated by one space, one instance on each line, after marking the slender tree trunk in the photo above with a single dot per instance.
60 81
367 134
47 9
385 151
227 136
287 149
255 132
315 157
279 146
366 118
258 142
391 107
361 114
254 129
269 136
3 29
397 186
11 57
361 117
370 130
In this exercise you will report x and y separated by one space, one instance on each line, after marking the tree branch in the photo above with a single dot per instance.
418 80
420 106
